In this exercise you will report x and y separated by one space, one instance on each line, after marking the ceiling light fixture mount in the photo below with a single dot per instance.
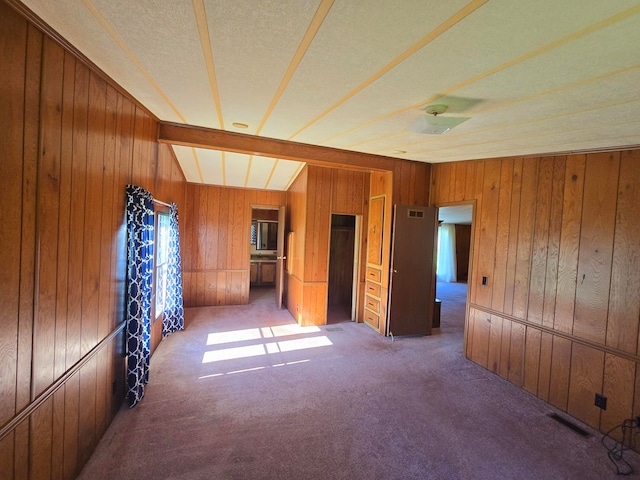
436 110
432 124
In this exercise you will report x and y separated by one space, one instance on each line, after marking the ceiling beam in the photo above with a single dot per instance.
201 137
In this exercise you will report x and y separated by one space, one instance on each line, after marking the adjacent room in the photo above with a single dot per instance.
319 239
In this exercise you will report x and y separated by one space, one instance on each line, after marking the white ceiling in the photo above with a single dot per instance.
534 77
460 214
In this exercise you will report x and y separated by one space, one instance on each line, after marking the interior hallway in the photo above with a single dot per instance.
244 393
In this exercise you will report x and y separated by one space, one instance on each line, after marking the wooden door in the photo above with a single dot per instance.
412 276
280 258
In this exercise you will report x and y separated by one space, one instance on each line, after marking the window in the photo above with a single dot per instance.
162 261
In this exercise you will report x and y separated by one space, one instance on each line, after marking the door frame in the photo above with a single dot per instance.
279 286
355 277
472 246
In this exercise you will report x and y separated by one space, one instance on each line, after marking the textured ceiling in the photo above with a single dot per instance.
533 76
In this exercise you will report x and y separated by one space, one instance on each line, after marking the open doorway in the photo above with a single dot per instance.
263 262
342 268
453 252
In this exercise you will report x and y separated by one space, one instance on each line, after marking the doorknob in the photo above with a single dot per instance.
281 258
395 271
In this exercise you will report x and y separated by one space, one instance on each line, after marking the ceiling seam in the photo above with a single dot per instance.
129 53
195 157
246 178
205 42
307 39
435 33
273 169
527 56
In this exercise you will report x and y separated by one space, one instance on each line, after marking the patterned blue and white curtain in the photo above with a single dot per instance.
139 285
174 312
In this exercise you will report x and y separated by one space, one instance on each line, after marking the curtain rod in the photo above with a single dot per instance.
162 203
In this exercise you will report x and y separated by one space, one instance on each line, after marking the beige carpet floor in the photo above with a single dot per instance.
244 393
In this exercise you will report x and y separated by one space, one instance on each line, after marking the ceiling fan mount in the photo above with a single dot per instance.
432 124
436 109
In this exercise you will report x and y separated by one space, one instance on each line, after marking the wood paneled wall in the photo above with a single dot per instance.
312 198
557 239
217 247
70 143
319 192
463 250
406 183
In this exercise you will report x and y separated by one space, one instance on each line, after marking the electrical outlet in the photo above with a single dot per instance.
601 401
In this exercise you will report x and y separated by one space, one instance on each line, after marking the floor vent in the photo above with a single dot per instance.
569 424
333 329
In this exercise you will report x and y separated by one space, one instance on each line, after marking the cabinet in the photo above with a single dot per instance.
262 273
267 273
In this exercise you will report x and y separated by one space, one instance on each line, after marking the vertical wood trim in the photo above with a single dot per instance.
596 246
502 235
12 125
47 204
514 223
525 237
540 241
624 297
569 243
555 228
28 233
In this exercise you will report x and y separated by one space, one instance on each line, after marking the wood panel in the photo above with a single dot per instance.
463 249
411 183
217 242
347 192
480 336
318 224
514 221
560 369
69 152
559 239
503 205
618 387
525 237
624 294
495 344
376 228
531 360
544 372
596 246
587 365
486 233
540 241
12 77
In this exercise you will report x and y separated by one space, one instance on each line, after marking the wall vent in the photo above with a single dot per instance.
415 213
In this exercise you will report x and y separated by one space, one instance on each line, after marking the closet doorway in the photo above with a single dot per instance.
343 268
